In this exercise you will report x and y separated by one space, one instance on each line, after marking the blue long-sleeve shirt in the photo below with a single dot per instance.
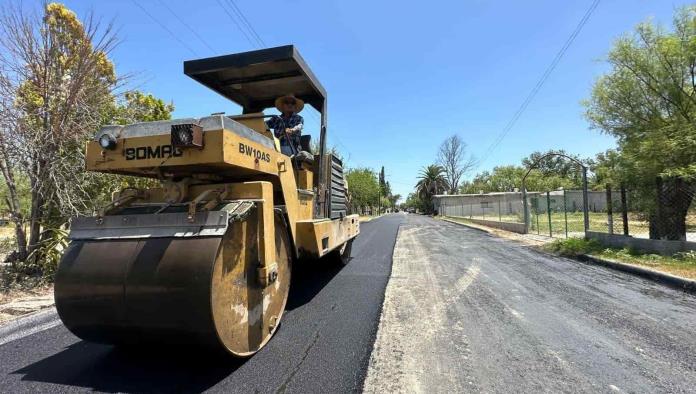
280 123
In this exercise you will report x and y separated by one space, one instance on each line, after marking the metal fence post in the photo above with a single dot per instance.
548 211
624 210
585 208
525 209
500 214
565 212
610 213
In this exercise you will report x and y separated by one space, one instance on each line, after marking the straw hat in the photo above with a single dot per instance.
299 104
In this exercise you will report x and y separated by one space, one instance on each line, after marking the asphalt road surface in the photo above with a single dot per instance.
465 311
323 344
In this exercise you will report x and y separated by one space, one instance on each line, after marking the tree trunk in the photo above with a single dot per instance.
674 197
35 216
14 207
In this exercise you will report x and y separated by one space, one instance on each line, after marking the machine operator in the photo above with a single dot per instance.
288 126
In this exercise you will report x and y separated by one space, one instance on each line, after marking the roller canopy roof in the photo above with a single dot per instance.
255 79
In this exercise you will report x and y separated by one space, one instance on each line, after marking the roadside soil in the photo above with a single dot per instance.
526 239
17 303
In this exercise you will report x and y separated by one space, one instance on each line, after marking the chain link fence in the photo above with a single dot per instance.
559 213
664 210
496 207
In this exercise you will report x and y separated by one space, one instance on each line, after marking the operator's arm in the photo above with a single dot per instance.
276 124
272 122
296 124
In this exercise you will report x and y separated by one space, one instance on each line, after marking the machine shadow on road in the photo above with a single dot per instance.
152 369
308 279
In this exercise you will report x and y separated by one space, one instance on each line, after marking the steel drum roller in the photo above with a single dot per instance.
186 290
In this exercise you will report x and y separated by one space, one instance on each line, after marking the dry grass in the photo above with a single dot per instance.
7 231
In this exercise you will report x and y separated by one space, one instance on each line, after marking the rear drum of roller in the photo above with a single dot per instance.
201 291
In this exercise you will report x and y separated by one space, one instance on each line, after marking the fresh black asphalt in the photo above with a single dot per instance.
323 344
464 311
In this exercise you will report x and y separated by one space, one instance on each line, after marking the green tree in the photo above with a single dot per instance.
647 100
550 164
414 201
60 84
142 107
508 178
363 187
394 199
431 181
56 89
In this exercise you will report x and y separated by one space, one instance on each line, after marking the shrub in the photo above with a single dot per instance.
573 247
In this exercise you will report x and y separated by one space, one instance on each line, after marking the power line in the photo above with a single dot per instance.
259 41
164 27
246 35
250 27
187 25
540 83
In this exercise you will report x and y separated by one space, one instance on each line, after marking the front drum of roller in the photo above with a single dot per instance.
245 314
201 291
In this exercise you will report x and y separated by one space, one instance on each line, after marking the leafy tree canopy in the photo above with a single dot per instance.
647 100
363 186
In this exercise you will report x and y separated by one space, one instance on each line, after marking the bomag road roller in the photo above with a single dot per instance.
204 256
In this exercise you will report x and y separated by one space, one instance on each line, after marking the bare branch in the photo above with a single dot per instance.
453 158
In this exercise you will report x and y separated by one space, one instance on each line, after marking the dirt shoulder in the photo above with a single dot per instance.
527 239
17 303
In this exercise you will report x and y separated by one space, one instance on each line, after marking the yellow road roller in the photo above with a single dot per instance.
204 256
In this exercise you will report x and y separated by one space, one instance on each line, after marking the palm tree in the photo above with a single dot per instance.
431 181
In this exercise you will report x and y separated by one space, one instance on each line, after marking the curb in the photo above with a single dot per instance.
29 324
669 280
483 230
673 281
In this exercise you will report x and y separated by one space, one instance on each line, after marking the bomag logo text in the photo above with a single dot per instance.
253 152
150 152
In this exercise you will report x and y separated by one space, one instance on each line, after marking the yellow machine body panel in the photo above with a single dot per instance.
319 237
226 154
222 150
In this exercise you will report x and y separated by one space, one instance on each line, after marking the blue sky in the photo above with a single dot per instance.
401 76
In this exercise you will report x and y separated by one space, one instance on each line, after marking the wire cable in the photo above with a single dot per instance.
187 25
165 28
239 26
249 26
539 84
